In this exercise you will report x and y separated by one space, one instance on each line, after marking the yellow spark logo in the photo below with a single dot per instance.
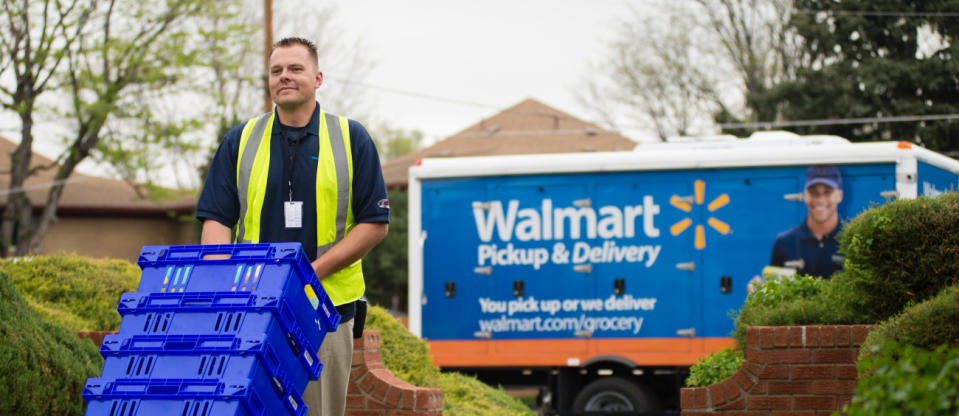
684 205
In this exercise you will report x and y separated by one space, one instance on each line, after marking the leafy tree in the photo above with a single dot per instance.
120 72
876 58
689 61
385 267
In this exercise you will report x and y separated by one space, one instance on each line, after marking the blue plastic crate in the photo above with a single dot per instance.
150 359
216 312
264 269
259 395
260 330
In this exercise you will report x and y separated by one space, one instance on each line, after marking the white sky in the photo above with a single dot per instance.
491 52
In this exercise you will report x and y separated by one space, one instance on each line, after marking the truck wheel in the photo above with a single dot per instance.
612 395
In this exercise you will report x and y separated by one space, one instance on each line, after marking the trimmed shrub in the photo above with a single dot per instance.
43 366
407 357
907 380
899 253
926 325
802 300
79 293
715 367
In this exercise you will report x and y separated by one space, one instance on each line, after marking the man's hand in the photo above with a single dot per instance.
351 248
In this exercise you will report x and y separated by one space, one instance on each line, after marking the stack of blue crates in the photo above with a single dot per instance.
203 337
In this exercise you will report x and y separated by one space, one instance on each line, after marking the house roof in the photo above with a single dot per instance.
526 128
85 194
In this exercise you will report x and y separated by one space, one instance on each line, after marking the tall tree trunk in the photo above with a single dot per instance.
16 221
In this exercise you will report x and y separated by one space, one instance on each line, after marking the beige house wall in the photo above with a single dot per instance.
116 236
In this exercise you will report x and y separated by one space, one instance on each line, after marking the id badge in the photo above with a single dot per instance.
293 213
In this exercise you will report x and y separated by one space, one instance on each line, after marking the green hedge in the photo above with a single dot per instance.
407 357
715 367
43 366
79 293
899 253
908 380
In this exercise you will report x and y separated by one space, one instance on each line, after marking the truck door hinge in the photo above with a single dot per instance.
483 270
583 203
889 194
798 197
583 268
688 332
586 333
483 334
689 266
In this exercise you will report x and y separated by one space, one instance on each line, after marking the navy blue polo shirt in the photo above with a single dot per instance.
821 258
219 201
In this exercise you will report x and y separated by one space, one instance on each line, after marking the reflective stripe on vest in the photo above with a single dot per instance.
334 178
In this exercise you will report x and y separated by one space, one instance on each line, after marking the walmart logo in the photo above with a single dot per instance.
686 205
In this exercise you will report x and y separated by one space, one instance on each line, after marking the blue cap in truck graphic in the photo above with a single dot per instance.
685 205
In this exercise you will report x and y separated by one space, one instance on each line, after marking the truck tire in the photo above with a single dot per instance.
613 395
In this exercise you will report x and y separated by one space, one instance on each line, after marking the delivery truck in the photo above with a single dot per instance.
599 278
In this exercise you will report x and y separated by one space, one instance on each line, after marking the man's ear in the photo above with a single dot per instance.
319 79
838 196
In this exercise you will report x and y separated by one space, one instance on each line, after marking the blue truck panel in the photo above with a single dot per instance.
552 256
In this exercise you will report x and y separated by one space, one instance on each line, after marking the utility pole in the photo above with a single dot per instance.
267 44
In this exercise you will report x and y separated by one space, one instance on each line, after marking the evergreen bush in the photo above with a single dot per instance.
77 292
907 380
407 357
43 366
899 253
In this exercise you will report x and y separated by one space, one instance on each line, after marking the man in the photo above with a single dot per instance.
811 247
300 174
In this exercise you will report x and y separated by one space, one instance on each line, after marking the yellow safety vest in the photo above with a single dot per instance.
334 191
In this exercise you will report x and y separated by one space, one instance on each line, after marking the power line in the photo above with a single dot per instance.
878 13
839 121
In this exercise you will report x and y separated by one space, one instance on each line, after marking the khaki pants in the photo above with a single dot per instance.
327 396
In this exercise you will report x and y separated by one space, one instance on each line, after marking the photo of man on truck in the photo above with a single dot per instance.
811 247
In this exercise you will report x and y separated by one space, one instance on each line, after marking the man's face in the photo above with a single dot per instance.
822 201
294 77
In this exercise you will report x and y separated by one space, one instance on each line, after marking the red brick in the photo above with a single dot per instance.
843 401
796 336
859 333
379 392
700 401
752 368
377 404
814 402
806 413
730 389
800 356
774 371
743 379
803 372
846 372
840 356
408 399
367 383
781 336
755 355
843 336
789 387
745 413
357 412
759 388
767 402
752 336
716 394
766 337
686 398
828 336
393 397
812 336
736 405
834 387
355 401
427 398
701 413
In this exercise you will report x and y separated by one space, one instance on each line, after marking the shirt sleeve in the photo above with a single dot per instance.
218 200
778 257
370 200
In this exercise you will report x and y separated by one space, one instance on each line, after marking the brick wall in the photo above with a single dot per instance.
795 371
374 391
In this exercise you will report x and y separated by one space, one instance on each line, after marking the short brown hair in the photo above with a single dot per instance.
292 40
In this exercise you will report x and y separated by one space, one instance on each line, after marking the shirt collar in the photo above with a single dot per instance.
806 234
312 128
